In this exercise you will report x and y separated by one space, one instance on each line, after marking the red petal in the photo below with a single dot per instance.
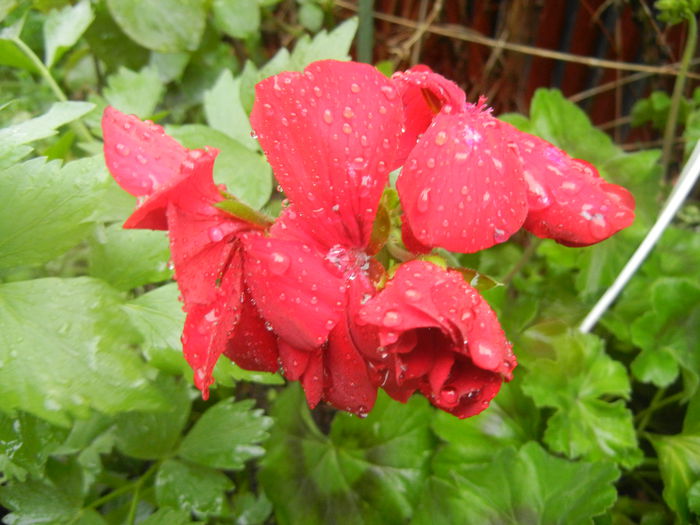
193 189
409 240
294 361
462 187
350 388
423 296
568 200
253 346
330 135
468 390
300 293
312 380
139 155
200 247
424 94
208 327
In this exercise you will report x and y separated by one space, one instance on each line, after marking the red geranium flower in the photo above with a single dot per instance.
177 192
440 337
472 181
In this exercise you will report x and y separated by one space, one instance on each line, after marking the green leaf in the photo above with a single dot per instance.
47 208
109 43
65 347
246 174
154 435
333 45
679 463
169 66
511 420
573 379
25 444
167 26
528 486
129 258
671 326
226 436
63 28
198 489
225 112
36 501
311 16
132 92
59 114
367 471
237 18
168 516
565 124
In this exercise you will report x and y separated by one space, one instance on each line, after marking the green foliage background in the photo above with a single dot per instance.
99 423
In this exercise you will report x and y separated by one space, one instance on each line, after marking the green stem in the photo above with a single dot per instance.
678 87
80 128
645 415
656 406
137 492
524 259
365 32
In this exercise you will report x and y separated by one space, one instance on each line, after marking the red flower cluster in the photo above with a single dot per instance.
302 292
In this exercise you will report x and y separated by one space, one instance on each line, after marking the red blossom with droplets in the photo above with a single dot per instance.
176 192
471 181
307 293
440 337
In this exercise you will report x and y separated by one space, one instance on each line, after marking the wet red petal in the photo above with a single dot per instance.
424 94
192 190
208 327
139 155
568 200
312 380
300 293
253 346
462 187
294 361
467 391
350 387
409 240
330 134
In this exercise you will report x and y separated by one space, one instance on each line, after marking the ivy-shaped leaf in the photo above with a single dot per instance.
573 379
366 471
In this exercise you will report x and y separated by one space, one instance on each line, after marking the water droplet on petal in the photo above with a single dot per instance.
412 295
215 234
123 150
347 128
279 263
391 319
448 396
389 92
499 235
440 138
327 116
423 200
355 88
599 227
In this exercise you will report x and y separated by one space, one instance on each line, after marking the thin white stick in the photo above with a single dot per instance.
685 184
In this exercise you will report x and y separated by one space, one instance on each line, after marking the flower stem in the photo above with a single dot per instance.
524 258
365 32
678 87
79 128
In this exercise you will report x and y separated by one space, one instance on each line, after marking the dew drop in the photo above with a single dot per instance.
499 235
317 91
348 113
391 319
355 88
327 116
599 227
347 128
389 92
440 138
412 295
423 201
430 162
279 263
215 234
123 150
449 397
